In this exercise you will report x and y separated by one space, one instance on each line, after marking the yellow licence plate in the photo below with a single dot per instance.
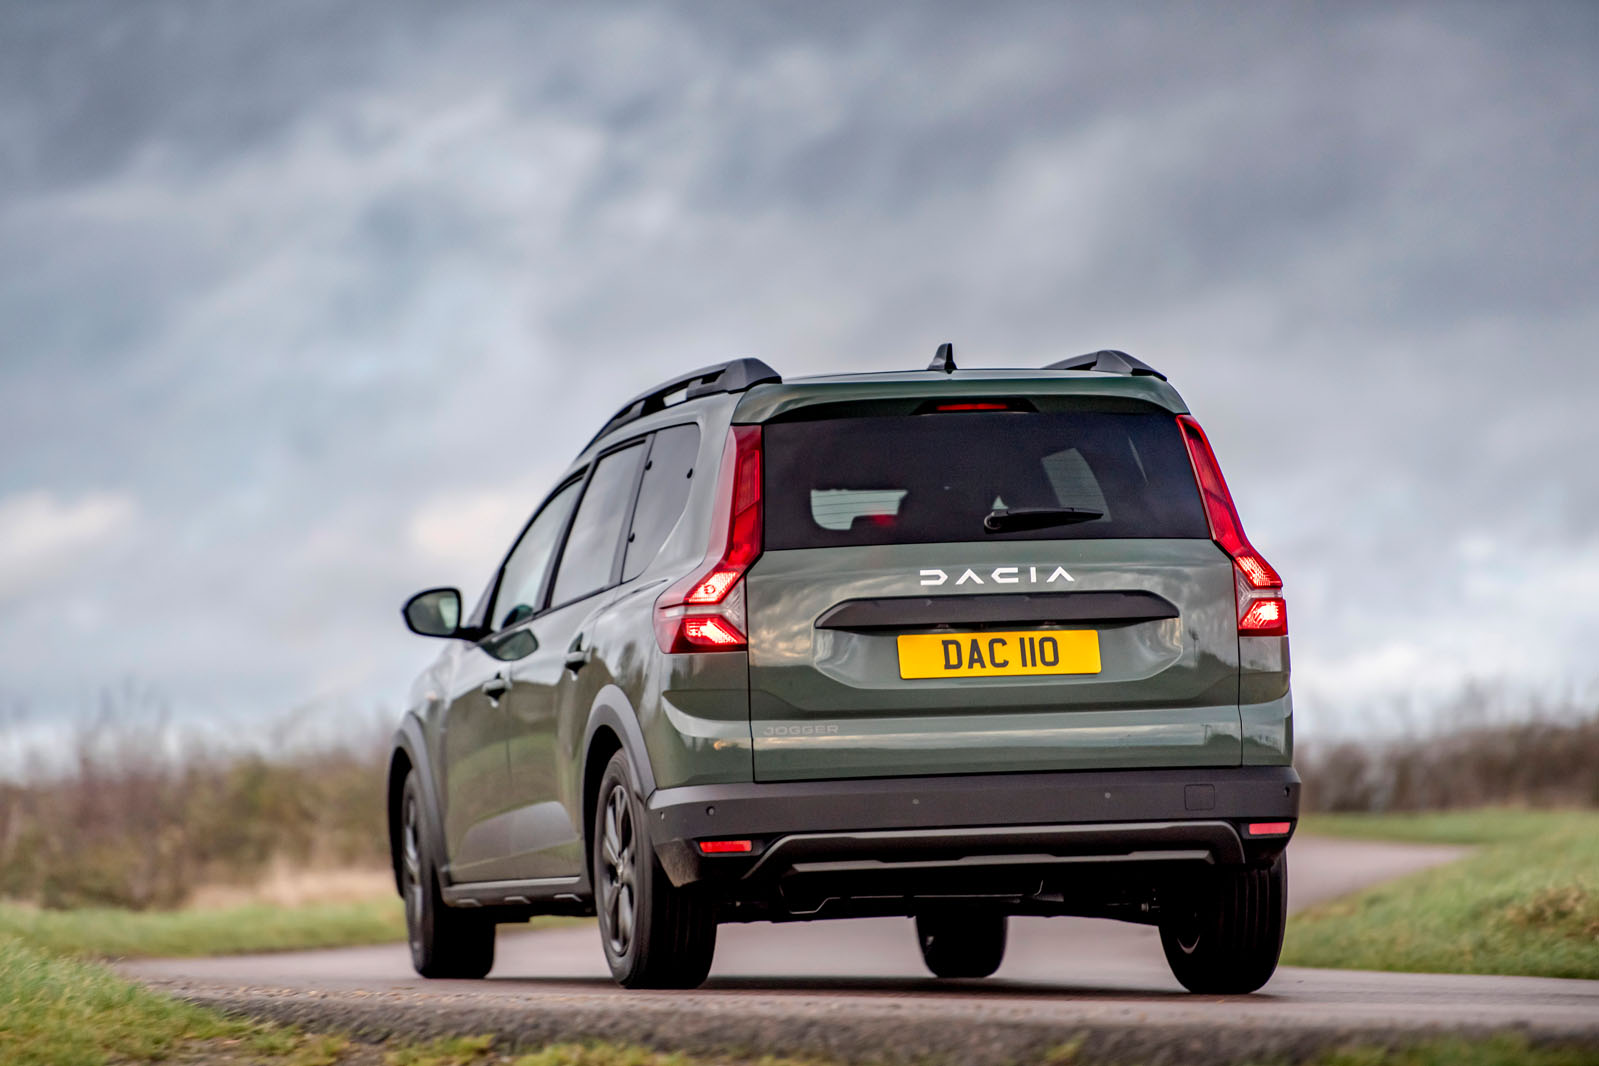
1051 651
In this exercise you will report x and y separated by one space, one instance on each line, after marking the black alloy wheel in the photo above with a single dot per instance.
445 942
655 934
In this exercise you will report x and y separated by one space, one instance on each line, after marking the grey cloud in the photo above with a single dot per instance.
287 275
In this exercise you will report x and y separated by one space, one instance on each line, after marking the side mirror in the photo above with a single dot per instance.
434 613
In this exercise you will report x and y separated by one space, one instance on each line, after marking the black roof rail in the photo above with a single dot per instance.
734 376
1107 361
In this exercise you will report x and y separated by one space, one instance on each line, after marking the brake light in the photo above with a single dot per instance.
705 610
1261 612
973 407
1269 829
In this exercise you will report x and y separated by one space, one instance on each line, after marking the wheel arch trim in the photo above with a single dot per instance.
613 711
410 742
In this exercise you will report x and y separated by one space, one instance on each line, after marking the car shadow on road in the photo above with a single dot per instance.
878 986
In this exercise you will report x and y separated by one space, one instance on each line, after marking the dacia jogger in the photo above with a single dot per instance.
947 644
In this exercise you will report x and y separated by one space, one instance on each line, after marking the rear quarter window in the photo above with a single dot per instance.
661 495
933 478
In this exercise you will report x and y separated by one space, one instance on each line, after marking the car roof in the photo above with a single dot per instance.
760 394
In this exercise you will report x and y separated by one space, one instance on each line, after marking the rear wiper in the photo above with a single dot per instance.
1018 518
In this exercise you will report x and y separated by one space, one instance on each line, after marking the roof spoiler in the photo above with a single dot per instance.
1107 361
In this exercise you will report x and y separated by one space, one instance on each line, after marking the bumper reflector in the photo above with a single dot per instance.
1269 829
725 847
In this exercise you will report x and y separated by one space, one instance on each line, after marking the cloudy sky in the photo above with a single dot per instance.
303 306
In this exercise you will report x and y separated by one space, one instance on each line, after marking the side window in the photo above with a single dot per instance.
520 590
591 546
661 496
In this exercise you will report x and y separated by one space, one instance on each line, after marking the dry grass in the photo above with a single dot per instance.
284 884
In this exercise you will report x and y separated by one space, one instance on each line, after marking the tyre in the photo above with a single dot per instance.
445 942
1225 941
962 943
655 934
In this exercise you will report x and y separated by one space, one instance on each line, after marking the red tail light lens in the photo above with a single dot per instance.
726 847
1258 615
1269 829
705 611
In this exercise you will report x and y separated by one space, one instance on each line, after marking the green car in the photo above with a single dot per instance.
947 644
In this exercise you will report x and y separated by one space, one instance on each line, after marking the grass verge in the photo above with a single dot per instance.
1526 903
65 1012
111 933
1503 1050
106 932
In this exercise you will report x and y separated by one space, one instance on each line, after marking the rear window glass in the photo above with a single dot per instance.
934 478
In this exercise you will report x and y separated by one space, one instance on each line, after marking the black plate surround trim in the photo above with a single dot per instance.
921 612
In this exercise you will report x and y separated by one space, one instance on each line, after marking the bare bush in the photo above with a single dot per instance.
142 817
1475 759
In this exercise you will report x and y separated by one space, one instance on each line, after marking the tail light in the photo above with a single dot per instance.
705 610
1262 612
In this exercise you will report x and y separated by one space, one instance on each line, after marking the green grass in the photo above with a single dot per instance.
1526 902
57 1011
1503 1050
112 933
1483 825
109 933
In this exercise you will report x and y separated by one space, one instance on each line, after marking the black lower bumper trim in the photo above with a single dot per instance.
1124 813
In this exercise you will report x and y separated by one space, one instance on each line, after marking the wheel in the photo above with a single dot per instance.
962 943
1225 941
445 942
655 934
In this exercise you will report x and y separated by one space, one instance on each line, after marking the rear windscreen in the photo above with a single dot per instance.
932 478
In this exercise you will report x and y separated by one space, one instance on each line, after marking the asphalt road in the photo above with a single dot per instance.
858 989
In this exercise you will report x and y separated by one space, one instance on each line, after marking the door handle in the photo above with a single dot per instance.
577 656
495 687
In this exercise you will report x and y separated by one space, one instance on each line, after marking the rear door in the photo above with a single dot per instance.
893 633
547 841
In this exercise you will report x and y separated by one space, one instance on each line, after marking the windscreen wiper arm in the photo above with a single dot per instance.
1019 518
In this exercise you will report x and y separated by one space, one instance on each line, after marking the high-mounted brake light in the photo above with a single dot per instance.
1261 611
973 407
705 610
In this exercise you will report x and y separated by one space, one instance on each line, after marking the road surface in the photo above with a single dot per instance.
858 989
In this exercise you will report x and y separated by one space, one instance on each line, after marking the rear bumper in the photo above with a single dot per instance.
920 828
